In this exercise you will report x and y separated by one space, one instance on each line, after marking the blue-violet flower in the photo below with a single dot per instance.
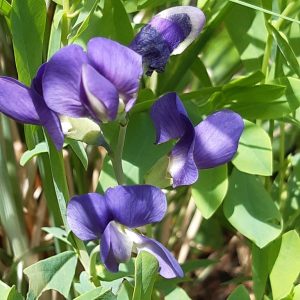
112 218
169 32
98 83
212 142
92 87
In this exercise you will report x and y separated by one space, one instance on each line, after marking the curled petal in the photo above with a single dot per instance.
18 101
51 122
49 119
169 267
217 138
119 64
62 82
136 205
38 80
88 216
189 19
115 247
25 105
171 31
182 167
102 96
166 114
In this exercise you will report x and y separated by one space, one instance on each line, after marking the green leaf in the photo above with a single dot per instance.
5 7
180 64
152 3
285 48
266 101
29 154
296 292
249 37
85 23
262 264
58 233
158 174
28 19
136 149
240 293
292 91
286 268
177 294
254 155
98 293
9 293
266 11
210 189
251 210
248 80
56 272
115 22
80 152
126 291
146 268
84 285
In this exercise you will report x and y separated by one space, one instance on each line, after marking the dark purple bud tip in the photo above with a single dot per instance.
169 32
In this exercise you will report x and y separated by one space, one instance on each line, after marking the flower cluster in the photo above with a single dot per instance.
99 85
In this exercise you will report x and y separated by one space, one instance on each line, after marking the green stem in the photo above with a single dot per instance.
281 163
289 9
65 23
116 157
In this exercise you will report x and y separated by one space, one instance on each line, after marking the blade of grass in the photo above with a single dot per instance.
266 11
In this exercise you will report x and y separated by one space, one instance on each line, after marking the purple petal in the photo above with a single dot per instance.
88 216
102 96
182 167
49 119
18 101
169 267
217 138
119 64
171 31
166 114
136 205
51 122
62 82
115 247
38 80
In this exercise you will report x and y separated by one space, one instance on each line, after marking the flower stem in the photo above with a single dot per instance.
281 163
116 157
65 23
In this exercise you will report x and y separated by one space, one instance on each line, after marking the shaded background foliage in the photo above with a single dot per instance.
235 231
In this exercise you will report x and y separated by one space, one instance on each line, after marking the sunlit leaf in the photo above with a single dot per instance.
250 209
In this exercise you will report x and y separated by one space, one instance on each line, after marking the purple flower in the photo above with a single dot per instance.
212 142
98 83
170 31
26 105
113 217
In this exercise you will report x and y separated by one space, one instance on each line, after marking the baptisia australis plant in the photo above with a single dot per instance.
97 84
113 217
76 90
211 143
169 32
